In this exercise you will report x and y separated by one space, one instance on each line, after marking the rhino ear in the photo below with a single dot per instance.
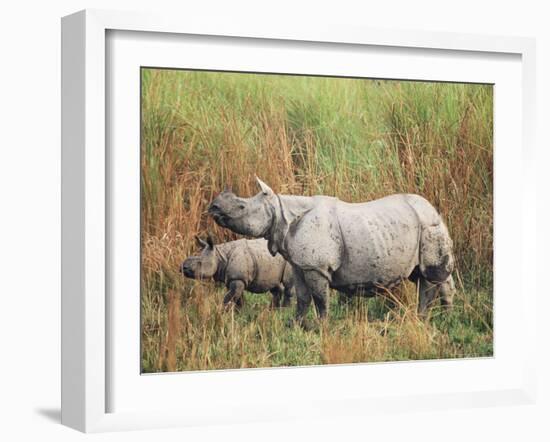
210 241
200 241
266 190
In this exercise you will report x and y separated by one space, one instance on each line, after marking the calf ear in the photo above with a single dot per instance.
210 241
266 190
201 242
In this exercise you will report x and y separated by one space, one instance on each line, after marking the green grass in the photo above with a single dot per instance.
355 139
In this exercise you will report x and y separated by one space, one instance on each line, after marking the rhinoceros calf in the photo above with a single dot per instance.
353 248
242 265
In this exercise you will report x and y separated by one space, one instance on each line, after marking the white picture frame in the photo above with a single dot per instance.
86 205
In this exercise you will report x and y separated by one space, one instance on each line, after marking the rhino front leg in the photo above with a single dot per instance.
303 300
235 293
318 286
303 297
288 293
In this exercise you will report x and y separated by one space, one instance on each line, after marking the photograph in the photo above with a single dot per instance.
306 220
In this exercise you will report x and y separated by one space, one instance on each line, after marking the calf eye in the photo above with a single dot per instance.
241 206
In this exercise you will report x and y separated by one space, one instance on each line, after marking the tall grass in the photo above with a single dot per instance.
355 139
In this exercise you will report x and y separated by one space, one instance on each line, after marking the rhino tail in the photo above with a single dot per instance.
436 252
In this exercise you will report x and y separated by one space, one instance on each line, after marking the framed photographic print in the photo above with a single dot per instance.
271 223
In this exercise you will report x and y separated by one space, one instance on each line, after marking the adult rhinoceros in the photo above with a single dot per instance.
352 248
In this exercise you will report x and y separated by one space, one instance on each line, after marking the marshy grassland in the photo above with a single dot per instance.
356 139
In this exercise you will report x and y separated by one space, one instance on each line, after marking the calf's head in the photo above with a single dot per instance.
203 266
246 216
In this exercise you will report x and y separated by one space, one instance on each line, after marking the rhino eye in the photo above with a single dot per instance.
241 206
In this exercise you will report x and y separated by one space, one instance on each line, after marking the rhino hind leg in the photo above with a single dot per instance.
436 256
427 293
446 292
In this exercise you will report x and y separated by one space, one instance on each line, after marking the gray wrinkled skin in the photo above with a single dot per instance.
242 265
362 248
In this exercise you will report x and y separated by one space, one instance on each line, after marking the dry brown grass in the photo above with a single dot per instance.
354 139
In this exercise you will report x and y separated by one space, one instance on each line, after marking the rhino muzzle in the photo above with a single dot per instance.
219 217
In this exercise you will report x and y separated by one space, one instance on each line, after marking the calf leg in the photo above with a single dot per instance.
276 297
239 301
318 286
426 296
235 293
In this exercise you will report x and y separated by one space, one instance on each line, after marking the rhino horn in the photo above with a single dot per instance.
266 190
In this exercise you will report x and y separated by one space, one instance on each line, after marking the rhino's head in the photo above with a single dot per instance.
203 266
246 216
